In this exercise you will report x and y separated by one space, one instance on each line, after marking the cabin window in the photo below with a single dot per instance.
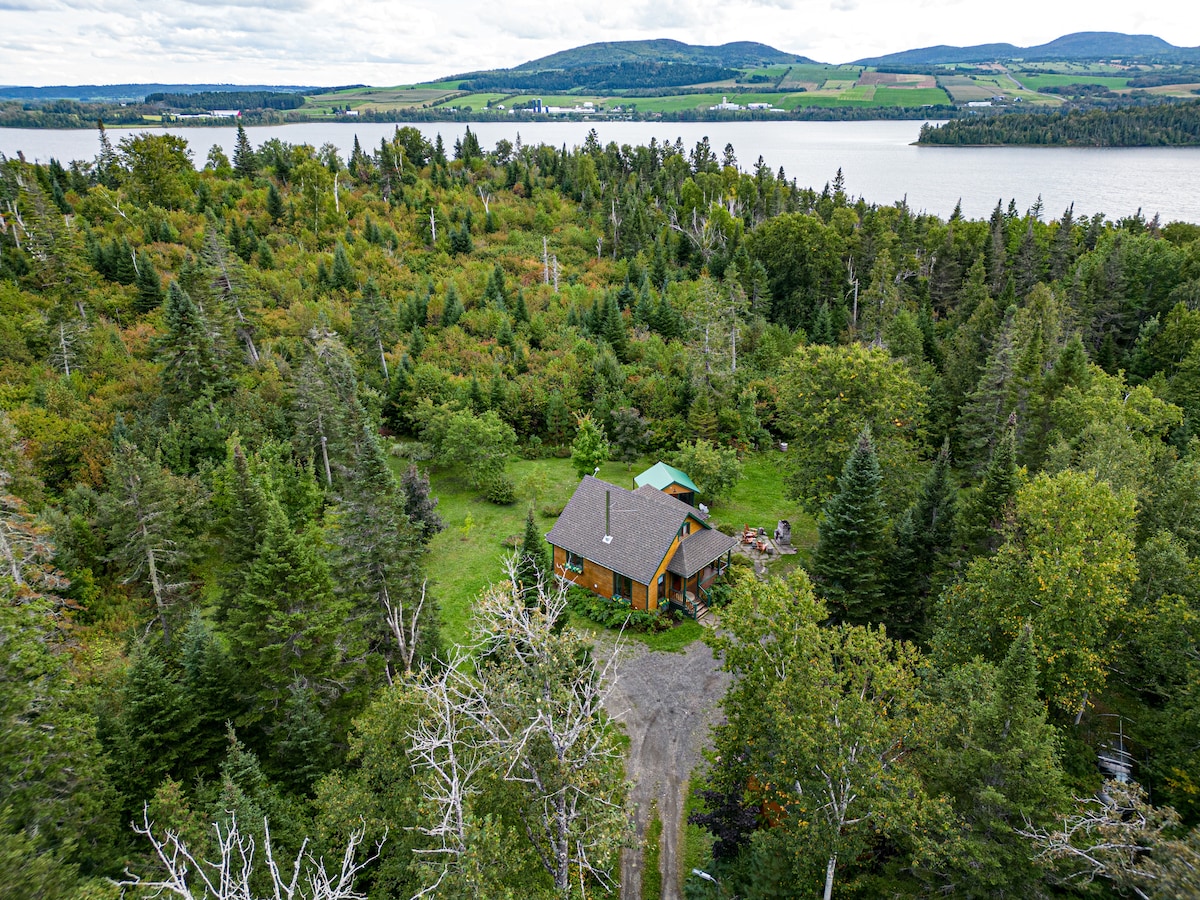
685 528
574 563
622 586
661 589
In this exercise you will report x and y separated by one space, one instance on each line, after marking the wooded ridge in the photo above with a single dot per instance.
258 419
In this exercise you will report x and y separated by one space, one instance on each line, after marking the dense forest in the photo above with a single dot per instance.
616 76
1159 124
223 392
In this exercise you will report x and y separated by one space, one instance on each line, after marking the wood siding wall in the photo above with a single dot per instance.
599 580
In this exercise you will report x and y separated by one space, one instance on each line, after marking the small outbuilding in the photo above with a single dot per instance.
669 480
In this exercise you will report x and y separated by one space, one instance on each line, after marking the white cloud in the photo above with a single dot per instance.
382 42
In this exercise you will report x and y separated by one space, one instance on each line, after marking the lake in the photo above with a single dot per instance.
877 159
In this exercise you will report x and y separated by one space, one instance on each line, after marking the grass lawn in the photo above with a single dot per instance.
695 849
759 500
465 558
469 554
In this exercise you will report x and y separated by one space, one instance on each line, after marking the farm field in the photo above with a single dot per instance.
1038 82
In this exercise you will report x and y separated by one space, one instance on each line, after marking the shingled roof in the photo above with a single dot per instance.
641 524
698 549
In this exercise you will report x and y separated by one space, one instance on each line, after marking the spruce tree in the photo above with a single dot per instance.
275 207
852 546
378 556
240 506
999 765
149 285
985 512
452 309
189 356
245 161
288 624
533 568
341 275
924 539
419 503
210 680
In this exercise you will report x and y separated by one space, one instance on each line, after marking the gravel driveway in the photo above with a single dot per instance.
667 703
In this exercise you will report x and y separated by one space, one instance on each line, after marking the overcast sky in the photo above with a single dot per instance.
383 42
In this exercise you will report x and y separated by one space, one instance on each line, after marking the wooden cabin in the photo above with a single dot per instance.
643 545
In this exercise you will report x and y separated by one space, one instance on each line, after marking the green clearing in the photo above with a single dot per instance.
759 500
559 99
1039 82
768 71
895 96
464 560
478 101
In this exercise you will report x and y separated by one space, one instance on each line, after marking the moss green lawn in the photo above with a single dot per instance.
469 554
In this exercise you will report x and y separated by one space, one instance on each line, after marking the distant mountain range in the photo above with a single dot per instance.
1081 45
136 93
662 64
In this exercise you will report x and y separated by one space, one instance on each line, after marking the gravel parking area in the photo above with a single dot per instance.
667 703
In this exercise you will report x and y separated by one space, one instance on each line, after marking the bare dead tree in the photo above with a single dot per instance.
404 626
447 749
229 876
1116 836
706 239
527 704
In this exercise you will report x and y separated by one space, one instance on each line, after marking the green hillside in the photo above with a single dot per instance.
739 54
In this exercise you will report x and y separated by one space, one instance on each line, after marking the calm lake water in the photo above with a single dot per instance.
877 158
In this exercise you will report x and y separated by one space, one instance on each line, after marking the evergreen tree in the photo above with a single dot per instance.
371 331
341 275
191 364
245 161
210 681
275 207
924 539
852 546
985 512
452 309
532 564
558 419
240 506
378 557
991 401
303 745
149 285
156 724
419 503
998 762
288 625
143 512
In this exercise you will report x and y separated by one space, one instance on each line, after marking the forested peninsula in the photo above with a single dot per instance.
281 439
1157 125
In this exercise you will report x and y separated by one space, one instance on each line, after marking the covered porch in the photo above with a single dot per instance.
701 558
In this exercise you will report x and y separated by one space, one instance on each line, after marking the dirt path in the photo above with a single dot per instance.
667 702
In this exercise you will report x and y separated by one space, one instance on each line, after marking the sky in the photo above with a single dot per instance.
386 42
